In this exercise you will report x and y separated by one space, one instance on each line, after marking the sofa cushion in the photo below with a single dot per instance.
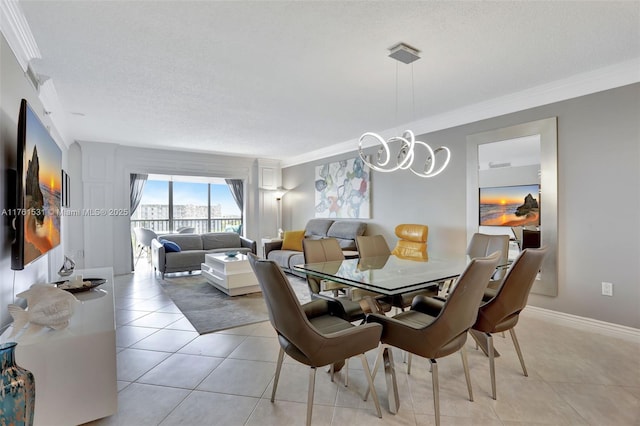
281 257
169 246
296 259
220 240
184 259
345 231
318 227
243 250
185 241
293 240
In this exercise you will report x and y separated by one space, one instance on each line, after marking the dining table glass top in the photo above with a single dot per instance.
389 275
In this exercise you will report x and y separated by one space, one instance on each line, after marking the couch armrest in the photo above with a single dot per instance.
158 255
247 243
270 246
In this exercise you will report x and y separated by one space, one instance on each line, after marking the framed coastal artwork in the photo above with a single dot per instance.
517 205
343 190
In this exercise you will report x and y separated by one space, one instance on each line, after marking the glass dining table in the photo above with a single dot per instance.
390 275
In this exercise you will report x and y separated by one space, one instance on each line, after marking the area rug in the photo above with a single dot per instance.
208 309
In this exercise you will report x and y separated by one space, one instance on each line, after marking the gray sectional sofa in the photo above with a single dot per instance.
193 247
345 231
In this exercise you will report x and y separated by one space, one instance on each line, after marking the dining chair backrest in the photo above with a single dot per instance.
513 293
482 245
372 245
144 236
297 336
412 243
322 250
285 312
460 310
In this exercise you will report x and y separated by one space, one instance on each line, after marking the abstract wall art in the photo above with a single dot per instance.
343 190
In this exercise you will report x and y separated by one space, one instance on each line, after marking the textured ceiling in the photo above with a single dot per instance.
280 79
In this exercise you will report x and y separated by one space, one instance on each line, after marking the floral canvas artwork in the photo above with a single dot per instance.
342 190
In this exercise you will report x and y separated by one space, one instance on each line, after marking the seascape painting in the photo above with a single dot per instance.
42 190
510 205
342 190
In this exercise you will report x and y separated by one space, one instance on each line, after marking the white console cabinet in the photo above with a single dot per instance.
75 368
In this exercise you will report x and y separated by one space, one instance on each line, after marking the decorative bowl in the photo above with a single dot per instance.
231 253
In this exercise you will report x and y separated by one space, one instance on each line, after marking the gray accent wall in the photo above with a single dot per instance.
598 200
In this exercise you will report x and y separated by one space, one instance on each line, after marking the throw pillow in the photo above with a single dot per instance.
170 246
293 240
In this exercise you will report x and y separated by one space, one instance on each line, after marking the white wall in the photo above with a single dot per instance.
598 200
14 86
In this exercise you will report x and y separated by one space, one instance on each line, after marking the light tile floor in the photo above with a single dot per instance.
170 375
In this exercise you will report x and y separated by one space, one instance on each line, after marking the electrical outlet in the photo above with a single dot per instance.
607 289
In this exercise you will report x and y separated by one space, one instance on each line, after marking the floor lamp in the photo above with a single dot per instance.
279 193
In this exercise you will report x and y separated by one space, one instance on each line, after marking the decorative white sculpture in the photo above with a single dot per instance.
47 306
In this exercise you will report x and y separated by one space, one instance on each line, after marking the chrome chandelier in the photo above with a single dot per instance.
409 153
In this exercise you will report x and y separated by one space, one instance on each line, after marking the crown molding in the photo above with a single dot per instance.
15 28
606 78
17 32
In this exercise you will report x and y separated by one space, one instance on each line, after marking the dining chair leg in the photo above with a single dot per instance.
392 383
492 364
346 372
376 365
374 394
312 384
138 258
465 366
278 369
517 345
409 362
436 389
332 371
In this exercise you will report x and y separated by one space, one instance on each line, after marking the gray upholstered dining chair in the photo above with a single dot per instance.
372 246
502 312
312 334
483 244
375 246
326 250
435 337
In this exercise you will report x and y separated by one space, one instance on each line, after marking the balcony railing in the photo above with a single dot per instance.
201 225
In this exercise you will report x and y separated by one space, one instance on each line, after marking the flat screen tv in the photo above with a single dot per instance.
510 205
38 190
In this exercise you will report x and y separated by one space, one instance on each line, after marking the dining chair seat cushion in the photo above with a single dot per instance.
427 305
406 299
327 324
352 309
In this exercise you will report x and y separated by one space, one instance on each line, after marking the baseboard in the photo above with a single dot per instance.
583 323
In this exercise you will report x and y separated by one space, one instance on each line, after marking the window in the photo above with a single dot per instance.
205 204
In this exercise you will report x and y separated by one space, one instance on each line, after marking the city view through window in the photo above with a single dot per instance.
204 204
